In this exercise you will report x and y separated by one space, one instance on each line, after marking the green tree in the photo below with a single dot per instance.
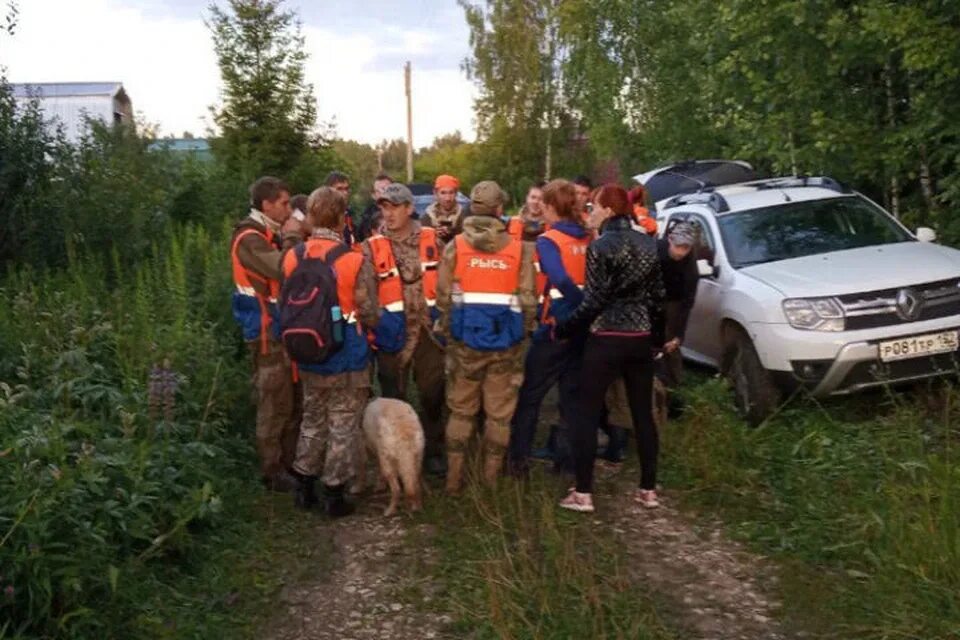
267 116
525 128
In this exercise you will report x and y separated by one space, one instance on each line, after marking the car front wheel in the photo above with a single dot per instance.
756 395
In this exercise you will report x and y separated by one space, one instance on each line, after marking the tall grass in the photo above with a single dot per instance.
95 497
859 497
510 564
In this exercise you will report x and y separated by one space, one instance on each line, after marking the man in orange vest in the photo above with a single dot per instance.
529 224
445 214
405 258
256 254
487 300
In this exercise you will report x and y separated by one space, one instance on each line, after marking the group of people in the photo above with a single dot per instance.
483 315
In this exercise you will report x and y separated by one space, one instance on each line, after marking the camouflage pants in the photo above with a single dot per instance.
277 408
482 379
330 431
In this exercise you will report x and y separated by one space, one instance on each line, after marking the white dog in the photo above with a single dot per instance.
393 433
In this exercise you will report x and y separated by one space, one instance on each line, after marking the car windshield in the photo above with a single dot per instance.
799 229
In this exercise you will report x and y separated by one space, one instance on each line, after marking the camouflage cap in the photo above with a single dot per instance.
396 193
486 199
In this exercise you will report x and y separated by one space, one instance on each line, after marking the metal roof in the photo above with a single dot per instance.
66 89
181 144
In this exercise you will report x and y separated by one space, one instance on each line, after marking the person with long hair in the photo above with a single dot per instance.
621 299
561 252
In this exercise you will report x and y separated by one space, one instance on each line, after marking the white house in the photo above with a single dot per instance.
69 103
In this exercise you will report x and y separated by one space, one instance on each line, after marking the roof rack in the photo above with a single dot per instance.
824 182
709 198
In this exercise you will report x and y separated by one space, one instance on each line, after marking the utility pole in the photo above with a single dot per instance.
406 75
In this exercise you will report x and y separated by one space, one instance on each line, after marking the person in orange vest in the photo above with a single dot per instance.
336 390
562 254
529 224
487 300
341 182
445 214
255 253
405 258
584 188
641 213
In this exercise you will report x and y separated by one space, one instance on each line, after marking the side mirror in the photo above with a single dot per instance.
705 269
926 234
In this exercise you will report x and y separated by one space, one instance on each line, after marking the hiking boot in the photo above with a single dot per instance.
305 495
454 473
281 482
335 504
646 498
549 450
579 502
435 465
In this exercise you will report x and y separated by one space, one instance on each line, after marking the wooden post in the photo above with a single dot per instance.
406 74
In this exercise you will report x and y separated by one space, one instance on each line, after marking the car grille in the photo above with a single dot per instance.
879 308
866 374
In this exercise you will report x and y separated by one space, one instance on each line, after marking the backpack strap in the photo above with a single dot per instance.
333 254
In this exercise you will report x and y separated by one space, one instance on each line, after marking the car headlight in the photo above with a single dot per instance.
814 314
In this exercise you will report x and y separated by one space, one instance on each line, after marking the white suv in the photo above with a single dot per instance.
808 284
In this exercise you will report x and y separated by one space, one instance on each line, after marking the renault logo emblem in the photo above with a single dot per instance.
909 304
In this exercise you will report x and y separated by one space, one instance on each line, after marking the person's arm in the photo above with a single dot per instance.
259 256
691 280
552 265
365 295
445 288
596 296
528 287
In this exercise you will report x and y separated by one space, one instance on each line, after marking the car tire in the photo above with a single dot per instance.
755 394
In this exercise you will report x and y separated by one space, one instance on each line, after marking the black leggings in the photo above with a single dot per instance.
606 358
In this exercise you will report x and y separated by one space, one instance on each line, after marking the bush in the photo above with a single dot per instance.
93 492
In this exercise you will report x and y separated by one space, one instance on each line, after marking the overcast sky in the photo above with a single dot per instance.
162 53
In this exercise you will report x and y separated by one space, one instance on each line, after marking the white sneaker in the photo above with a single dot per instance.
646 498
580 502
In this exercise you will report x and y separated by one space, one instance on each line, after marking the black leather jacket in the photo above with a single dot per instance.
624 291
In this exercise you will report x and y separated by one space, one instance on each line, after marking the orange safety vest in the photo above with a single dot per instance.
643 218
256 313
515 227
486 313
355 353
573 255
390 333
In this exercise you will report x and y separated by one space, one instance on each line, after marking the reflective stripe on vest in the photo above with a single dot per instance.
243 280
573 255
390 334
487 315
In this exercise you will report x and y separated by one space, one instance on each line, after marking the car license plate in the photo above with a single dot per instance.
918 346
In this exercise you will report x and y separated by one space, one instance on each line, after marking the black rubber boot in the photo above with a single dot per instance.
549 450
335 504
616 450
305 496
